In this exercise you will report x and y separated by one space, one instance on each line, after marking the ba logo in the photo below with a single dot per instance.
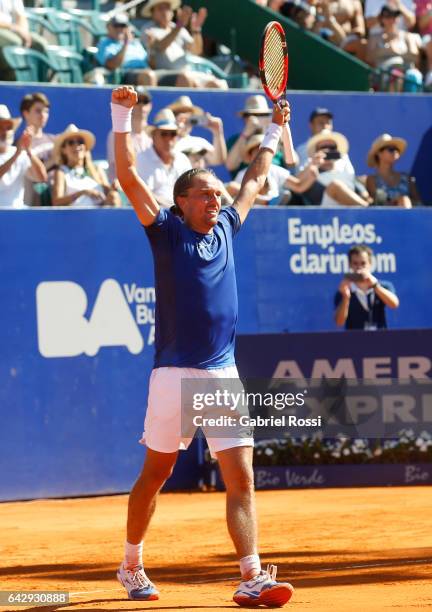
63 329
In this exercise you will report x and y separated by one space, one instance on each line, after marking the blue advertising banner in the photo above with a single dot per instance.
290 262
367 355
324 476
77 310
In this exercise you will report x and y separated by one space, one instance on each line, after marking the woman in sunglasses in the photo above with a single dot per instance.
388 187
77 181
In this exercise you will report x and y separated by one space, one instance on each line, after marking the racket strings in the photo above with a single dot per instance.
274 62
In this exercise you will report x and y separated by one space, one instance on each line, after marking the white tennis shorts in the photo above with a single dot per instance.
162 424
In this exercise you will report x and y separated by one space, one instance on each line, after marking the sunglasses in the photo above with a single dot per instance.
118 26
390 149
70 142
168 134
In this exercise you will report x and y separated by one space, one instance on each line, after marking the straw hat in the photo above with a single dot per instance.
339 139
252 142
175 4
184 105
5 116
256 105
164 120
70 132
385 140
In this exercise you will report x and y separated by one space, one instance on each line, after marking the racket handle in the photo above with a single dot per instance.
288 144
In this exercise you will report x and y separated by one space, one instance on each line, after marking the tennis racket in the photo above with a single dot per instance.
273 67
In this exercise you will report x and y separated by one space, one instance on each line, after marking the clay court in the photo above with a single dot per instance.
343 549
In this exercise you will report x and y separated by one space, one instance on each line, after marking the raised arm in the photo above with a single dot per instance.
256 174
139 195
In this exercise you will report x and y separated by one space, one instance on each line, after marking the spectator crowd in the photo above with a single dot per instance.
394 36
40 168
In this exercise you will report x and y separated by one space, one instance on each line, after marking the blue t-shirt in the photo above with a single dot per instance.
196 291
373 316
135 57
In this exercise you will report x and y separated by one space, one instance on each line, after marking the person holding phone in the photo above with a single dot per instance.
188 116
361 299
336 184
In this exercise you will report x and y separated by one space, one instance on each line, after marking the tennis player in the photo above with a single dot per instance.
196 315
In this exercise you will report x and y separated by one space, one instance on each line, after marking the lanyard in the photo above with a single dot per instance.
367 300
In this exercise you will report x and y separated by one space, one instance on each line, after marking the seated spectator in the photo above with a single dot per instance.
424 24
336 184
168 43
256 115
393 48
77 181
16 162
196 150
279 183
301 12
15 31
321 119
139 135
160 165
342 22
361 299
388 187
121 50
372 9
34 109
187 116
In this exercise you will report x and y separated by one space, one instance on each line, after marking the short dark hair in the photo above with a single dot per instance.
359 249
185 180
30 99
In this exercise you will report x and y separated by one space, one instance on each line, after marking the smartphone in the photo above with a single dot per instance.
200 120
354 277
333 154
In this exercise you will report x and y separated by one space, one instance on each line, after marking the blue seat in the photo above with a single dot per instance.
68 64
28 65
201 64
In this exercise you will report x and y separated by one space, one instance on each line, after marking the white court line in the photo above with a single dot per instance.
79 593
382 564
325 569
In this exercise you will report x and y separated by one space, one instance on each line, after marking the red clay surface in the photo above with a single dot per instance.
342 549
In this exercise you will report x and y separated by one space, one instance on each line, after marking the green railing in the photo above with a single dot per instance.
313 62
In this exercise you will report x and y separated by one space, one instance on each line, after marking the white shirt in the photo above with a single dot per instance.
339 173
77 180
10 9
158 177
174 56
304 158
43 146
12 183
277 177
140 141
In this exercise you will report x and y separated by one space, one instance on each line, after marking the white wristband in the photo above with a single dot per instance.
121 118
272 137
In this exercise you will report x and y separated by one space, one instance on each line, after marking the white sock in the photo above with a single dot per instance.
133 555
250 566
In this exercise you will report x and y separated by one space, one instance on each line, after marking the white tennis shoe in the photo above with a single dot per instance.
263 590
136 583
